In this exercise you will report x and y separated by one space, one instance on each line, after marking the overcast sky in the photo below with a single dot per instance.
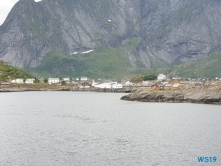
5 7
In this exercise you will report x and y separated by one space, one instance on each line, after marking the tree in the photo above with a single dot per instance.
36 80
63 82
137 79
149 77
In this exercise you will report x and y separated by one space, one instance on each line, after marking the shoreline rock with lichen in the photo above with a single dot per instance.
199 95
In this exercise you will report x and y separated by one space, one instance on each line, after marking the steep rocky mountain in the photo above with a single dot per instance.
110 36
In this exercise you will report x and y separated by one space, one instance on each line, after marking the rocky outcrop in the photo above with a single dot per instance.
168 30
201 96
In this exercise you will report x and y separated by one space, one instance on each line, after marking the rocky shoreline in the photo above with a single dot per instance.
196 95
76 89
200 95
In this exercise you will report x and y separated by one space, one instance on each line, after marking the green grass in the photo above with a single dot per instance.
101 63
156 63
209 67
8 73
112 63
139 64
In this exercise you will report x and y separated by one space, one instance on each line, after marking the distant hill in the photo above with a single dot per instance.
8 73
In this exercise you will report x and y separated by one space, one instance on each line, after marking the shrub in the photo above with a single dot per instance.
137 79
149 77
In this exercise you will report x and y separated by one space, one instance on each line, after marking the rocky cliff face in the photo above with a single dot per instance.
176 30
34 29
169 31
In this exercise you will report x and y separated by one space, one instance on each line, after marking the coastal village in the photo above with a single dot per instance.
86 83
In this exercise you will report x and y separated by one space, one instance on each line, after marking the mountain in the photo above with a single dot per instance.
109 37
8 73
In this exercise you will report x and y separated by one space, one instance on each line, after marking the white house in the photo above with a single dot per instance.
67 80
18 81
84 78
128 83
115 85
30 81
94 84
161 77
41 80
53 81
145 83
109 85
103 85
176 78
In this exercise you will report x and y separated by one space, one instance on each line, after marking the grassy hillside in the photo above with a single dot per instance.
209 67
103 63
8 73
112 63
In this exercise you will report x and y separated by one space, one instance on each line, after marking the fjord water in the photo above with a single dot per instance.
98 129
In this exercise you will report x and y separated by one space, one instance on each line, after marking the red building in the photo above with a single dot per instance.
5 84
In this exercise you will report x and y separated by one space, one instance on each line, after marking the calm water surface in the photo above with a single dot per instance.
98 129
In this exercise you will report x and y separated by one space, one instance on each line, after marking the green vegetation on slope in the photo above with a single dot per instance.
209 67
101 63
8 73
112 63
104 63
145 78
